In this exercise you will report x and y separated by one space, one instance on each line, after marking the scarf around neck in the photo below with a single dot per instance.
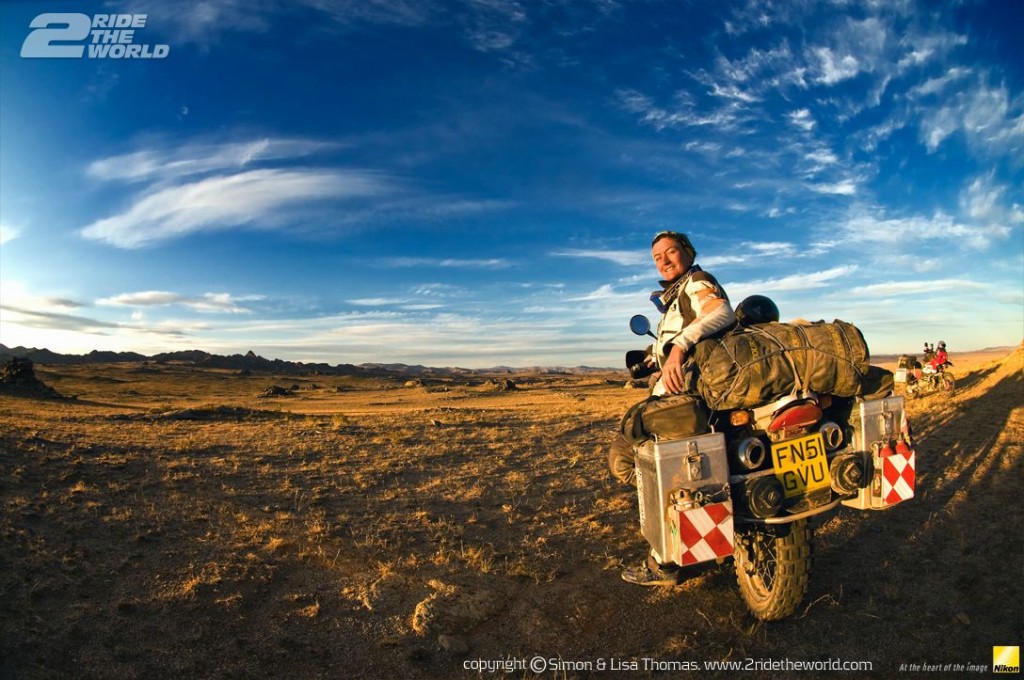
670 289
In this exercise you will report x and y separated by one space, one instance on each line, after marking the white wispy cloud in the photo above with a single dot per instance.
846 187
917 47
377 302
802 119
8 233
832 68
773 248
255 198
866 228
921 287
198 158
991 120
793 282
266 183
407 304
819 159
712 261
733 92
483 263
34 319
626 258
16 294
603 293
939 84
208 302
1017 214
44 320
878 46
981 199
873 56
757 71
683 112
439 290
870 137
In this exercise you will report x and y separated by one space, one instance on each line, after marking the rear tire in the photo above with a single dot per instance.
773 567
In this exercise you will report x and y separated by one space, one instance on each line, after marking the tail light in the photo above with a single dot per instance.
801 415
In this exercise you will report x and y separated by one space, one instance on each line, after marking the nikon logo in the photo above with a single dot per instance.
1006 659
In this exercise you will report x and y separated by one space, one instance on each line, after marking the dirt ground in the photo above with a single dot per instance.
169 522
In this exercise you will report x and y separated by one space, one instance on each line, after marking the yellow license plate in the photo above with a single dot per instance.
801 465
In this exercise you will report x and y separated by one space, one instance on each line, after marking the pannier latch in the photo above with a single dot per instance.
886 422
693 463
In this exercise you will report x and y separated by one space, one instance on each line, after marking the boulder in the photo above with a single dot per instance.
18 376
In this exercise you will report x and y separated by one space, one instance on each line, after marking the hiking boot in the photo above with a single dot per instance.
648 574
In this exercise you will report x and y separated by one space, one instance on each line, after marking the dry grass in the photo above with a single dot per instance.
170 523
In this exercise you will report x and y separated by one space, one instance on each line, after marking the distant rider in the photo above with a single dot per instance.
941 358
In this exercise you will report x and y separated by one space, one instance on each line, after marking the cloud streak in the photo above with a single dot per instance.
793 282
208 303
256 199
51 321
861 228
448 263
626 258
8 233
197 159
991 120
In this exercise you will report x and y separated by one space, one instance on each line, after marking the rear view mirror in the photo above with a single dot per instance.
640 325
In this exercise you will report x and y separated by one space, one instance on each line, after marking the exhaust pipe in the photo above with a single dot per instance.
832 434
751 453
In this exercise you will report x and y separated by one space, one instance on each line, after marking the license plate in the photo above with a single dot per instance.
801 465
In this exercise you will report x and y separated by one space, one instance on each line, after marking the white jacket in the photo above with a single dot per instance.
710 310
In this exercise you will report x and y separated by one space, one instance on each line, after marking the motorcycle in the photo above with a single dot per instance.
929 380
756 484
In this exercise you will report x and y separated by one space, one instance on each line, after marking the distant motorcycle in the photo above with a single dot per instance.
929 380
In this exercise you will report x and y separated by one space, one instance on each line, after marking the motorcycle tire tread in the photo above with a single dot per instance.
793 566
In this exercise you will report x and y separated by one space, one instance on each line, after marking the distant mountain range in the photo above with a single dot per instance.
254 363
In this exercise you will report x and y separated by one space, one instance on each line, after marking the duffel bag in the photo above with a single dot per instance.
752 365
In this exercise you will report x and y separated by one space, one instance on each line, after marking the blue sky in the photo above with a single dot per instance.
476 182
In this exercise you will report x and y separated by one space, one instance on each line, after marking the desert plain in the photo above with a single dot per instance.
169 521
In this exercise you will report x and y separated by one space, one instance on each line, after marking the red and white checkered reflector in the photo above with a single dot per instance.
701 534
898 473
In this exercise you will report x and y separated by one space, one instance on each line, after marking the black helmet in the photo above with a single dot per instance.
756 309
942 344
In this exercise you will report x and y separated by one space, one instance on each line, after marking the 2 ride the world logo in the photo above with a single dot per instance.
59 35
